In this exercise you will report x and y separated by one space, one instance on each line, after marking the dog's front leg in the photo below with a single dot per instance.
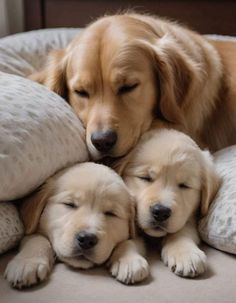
127 263
32 264
181 254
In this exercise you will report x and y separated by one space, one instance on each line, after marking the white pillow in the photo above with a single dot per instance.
11 228
218 228
39 134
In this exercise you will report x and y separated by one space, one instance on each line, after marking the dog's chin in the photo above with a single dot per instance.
155 232
77 262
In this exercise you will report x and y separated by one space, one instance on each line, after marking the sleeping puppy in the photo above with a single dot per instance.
83 215
171 178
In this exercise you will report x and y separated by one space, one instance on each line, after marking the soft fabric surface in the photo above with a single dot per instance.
217 285
39 134
22 54
11 228
218 228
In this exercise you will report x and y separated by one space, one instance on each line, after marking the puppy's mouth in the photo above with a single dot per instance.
156 230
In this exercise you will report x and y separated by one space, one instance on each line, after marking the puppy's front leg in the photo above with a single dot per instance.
32 264
127 263
181 254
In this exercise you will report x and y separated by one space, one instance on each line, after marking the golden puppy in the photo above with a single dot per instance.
124 71
82 215
171 178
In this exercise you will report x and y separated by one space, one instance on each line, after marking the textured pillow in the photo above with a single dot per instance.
22 54
39 134
11 228
218 228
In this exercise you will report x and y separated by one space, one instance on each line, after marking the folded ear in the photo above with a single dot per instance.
175 73
120 164
53 74
210 182
32 207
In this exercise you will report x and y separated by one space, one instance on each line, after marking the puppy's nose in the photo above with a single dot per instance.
104 140
160 213
86 240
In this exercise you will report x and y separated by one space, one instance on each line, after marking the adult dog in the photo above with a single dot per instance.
84 215
124 71
171 178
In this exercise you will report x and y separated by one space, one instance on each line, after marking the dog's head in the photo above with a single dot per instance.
85 211
170 177
118 74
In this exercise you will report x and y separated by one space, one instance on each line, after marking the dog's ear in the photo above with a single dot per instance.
53 74
210 182
174 74
120 164
33 206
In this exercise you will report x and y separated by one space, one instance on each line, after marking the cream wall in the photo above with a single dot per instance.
11 17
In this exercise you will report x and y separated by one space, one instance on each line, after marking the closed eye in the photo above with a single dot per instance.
126 89
110 214
70 204
183 186
146 178
82 93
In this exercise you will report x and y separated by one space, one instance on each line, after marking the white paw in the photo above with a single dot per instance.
25 272
130 269
184 261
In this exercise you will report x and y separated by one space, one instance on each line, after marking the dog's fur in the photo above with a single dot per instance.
124 71
85 198
167 168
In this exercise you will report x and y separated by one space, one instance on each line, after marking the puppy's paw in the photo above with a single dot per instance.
25 272
130 269
184 261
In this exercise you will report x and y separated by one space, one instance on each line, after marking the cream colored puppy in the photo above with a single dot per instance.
171 178
83 215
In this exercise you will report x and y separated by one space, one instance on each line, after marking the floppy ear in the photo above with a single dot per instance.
175 74
120 164
210 182
53 74
32 207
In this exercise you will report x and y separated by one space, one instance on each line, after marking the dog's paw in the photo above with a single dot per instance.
130 269
184 261
25 272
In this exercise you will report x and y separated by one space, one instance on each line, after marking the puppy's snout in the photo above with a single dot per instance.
86 240
160 213
104 140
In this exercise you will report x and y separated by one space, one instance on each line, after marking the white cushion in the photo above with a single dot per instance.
218 228
11 228
22 54
39 134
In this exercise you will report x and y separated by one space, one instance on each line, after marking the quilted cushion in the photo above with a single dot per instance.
218 228
39 134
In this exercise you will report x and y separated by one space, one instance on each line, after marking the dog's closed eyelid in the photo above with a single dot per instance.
70 205
126 88
81 93
183 185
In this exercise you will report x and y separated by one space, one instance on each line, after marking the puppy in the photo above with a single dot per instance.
83 215
125 71
171 178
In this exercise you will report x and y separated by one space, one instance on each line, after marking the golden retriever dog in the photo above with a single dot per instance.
125 71
83 215
171 178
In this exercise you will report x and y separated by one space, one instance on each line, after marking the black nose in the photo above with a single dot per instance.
86 240
160 213
104 140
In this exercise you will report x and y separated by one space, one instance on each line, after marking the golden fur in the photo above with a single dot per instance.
168 169
125 71
87 198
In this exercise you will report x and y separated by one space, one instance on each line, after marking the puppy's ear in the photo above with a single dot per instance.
132 224
174 73
32 207
120 164
210 182
53 74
